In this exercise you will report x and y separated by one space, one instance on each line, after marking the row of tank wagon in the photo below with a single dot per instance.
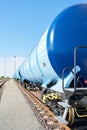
51 66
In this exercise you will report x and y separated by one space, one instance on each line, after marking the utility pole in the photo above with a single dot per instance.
14 64
5 66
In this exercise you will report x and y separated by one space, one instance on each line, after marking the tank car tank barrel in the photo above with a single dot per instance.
55 50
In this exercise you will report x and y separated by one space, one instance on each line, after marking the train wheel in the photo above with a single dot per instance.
70 116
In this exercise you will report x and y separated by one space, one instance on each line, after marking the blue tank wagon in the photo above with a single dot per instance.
59 63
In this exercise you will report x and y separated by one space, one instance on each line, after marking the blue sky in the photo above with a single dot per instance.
23 22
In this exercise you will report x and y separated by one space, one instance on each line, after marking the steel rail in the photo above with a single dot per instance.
43 110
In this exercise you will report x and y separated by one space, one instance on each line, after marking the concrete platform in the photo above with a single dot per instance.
15 113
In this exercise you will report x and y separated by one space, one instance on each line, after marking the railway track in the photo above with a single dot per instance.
46 117
43 113
2 82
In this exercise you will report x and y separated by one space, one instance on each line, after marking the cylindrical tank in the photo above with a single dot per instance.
68 30
23 72
17 74
55 51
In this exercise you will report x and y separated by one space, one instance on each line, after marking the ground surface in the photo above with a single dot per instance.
15 113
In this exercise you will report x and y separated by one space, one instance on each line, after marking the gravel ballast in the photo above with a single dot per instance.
15 113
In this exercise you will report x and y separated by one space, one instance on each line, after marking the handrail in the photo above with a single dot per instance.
75 54
70 69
